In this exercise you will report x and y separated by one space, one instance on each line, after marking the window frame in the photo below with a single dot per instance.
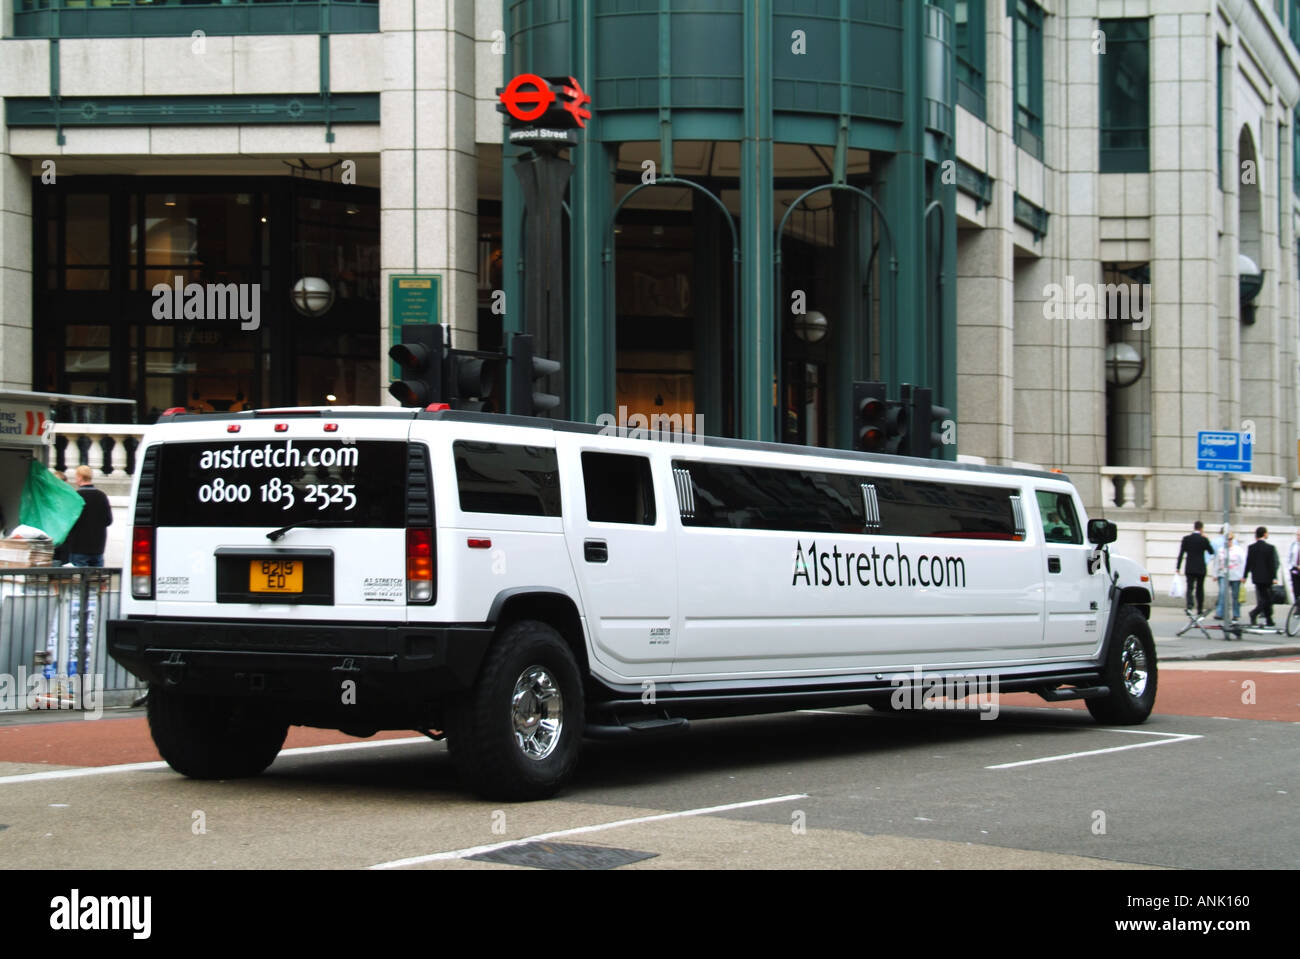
1027 17
1129 147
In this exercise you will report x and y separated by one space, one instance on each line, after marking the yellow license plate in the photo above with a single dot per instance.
275 576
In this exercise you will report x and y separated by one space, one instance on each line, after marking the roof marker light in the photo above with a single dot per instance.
232 428
437 407
331 427
282 427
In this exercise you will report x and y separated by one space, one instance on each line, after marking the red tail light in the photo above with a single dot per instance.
142 562
419 565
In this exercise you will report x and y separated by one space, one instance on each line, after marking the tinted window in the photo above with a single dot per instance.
503 478
619 489
752 497
1060 524
279 482
746 497
919 508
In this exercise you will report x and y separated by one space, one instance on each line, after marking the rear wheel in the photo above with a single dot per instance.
1130 673
209 737
517 734
1293 620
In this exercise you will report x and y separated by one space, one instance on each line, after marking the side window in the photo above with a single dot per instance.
954 511
619 489
752 497
504 478
1060 524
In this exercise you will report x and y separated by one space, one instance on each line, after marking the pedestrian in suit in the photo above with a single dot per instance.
1194 547
1262 567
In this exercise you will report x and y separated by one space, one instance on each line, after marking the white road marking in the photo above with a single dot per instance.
1169 738
579 830
159 764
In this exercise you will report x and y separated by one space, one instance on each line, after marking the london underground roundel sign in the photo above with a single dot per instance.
527 96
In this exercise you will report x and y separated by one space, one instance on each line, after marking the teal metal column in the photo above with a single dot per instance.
756 418
903 195
590 362
591 326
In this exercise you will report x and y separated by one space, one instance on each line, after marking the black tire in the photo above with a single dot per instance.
1293 620
1130 672
512 754
208 737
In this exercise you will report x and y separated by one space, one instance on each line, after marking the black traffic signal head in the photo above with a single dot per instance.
476 380
869 408
419 356
922 415
525 367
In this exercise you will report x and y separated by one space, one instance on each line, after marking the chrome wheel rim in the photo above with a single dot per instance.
1133 667
537 709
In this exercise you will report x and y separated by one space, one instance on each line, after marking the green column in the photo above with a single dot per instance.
757 311
591 326
903 196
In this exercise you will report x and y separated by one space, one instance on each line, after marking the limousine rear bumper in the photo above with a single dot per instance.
296 660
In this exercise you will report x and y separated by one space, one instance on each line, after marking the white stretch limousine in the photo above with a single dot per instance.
517 584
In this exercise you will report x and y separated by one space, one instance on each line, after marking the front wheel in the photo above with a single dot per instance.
210 737
516 735
1293 620
1130 673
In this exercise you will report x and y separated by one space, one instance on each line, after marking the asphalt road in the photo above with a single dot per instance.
1210 782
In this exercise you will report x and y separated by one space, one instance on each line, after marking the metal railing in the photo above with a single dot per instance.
53 631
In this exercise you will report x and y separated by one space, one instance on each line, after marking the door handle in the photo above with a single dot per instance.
1053 564
595 551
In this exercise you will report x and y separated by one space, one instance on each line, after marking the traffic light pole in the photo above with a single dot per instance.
543 176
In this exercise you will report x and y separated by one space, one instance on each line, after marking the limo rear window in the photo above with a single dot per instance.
505 478
749 497
281 482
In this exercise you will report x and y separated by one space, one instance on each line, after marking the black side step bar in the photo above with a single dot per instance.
639 727
1075 692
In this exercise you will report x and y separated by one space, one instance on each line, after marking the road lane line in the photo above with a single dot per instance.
1171 738
159 764
579 830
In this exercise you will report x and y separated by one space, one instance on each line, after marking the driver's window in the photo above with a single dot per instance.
1060 524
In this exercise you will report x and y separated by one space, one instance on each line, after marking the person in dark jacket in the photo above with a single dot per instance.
1262 567
86 539
1194 547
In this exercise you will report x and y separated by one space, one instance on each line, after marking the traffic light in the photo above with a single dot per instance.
869 416
896 425
524 368
922 415
419 357
475 380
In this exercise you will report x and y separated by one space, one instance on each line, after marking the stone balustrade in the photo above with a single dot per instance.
1262 494
1127 487
107 448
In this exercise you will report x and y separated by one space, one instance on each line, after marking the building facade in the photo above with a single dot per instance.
1074 221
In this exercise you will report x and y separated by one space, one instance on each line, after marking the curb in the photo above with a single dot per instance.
1245 652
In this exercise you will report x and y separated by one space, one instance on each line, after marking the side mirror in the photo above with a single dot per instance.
1101 532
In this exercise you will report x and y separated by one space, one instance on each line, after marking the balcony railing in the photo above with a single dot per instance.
107 448
181 18
1127 487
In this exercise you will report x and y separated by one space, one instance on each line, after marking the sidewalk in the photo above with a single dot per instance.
1166 621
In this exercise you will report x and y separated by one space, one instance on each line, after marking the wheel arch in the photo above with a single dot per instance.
547 605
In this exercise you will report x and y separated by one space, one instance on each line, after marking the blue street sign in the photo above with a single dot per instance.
1222 451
